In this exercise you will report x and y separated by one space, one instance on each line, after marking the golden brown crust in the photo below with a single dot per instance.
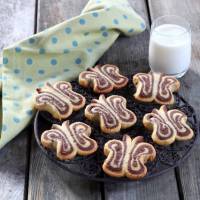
58 99
111 112
155 87
103 79
167 126
69 140
127 158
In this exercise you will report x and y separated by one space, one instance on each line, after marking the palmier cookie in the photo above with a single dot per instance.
58 99
127 158
103 79
155 87
111 112
69 140
167 126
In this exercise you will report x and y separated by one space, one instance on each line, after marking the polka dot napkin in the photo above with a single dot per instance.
59 53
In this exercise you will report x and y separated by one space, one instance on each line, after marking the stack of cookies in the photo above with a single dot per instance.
126 157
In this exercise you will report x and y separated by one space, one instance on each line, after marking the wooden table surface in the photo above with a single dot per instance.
25 173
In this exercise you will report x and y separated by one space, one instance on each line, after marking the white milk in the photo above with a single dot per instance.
170 49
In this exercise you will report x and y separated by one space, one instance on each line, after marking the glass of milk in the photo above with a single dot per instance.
170 45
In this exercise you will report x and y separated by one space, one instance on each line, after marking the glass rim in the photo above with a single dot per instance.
188 29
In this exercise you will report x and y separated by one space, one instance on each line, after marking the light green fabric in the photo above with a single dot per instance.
59 53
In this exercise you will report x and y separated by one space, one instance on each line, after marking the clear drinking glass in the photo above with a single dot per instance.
170 45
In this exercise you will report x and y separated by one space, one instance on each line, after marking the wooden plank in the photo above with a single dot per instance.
131 55
16 22
161 187
13 168
190 10
46 180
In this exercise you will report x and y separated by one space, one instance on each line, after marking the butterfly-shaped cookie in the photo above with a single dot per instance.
155 87
103 79
127 157
111 112
69 140
58 99
167 126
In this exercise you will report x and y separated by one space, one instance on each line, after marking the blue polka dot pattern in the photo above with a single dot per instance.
125 16
16 119
29 80
53 61
103 28
29 61
16 71
58 54
89 50
82 21
105 34
68 30
66 70
74 43
97 42
66 51
95 14
78 61
86 33
4 127
115 21
29 112
131 30
41 51
31 40
5 61
15 87
41 71
18 50
142 25
54 40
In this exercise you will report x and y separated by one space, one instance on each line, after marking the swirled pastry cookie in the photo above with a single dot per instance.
58 99
127 157
111 112
103 79
167 126
155 87
69 140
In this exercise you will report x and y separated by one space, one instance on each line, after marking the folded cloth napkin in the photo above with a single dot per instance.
59 53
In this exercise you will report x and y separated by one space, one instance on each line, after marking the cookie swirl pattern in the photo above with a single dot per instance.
58 99
111 112
127 157
103 79
69 140
155 87
167 126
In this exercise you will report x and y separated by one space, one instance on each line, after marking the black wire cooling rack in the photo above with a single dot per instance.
90 167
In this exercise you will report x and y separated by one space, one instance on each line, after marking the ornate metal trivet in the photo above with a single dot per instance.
90 166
